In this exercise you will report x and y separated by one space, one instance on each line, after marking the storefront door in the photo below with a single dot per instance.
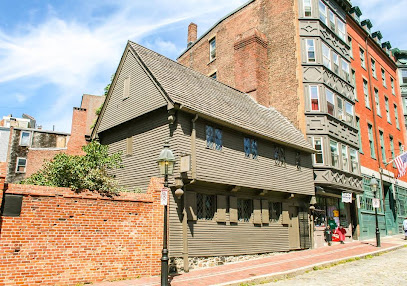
294 228
390 212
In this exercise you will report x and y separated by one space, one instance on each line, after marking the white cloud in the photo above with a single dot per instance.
72 56
20 97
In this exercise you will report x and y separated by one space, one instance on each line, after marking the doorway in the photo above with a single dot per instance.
390 211
294 228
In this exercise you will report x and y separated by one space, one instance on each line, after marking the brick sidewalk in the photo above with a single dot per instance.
269 267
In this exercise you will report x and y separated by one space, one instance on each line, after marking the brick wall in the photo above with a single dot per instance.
368 113
36 158
78 131
63 238
277 70
3 169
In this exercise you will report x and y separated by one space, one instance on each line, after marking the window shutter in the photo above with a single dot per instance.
126 88
257 212
129 146
265 216
233 209
221 211
191 205
286 217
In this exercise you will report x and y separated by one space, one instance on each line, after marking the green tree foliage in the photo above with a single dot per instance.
81 172
107 87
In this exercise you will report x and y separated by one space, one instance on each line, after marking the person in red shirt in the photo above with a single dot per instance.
340 231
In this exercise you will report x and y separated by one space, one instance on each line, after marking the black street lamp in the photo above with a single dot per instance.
373 186
166 162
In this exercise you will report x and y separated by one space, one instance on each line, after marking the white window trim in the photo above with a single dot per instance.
310 98
329 58
339 30
25 167
307 50
362 60
357 161
322 150
310 5
210 49
347 158
29 138
384 78
325 14
337 150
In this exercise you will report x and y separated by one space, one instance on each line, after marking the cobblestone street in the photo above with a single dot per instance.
386 269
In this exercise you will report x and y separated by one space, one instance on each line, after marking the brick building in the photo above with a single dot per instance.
401 56
379 117
294 56
24 147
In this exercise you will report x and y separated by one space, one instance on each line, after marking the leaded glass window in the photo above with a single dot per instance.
206 206
275 210
250 148
209 137
244 209
213 138
218 139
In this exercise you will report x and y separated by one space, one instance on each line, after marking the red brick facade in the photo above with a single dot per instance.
63 238
257 48
3 169
78 131
367 112
36 158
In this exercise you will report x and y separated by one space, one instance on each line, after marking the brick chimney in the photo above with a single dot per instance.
251 73
192 33
78 131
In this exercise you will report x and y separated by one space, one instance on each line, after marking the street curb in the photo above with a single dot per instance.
302 270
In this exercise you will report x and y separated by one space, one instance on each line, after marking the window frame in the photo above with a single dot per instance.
241 216
373 64
331 142
29 138
212 49
377 99
352 170
384 78
371 140
366 93
310 88
345 166
349 115
396 116
393 89
328 91
345 71
253 151
326 59
387 107
17 165
205 215
310 48
323 13
335 62
392 152
318 151
382 146
310 7
403 77
362 56
341 34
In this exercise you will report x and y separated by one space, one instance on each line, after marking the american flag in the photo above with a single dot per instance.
401 163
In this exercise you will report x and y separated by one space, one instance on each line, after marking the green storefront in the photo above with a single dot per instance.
390 216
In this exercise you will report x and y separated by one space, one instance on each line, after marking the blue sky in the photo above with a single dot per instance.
51 52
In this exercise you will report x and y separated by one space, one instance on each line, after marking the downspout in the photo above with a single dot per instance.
374 123
184 211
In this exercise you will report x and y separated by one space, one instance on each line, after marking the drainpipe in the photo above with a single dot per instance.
379 159
184 211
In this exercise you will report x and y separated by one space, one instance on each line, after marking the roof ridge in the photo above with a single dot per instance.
188 68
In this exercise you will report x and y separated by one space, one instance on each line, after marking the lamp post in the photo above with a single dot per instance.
166 162
373 186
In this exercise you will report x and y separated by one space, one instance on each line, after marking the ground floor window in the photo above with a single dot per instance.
244 209
206 206
275 209
329 210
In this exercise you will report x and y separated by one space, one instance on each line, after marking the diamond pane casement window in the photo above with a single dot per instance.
213 138
205 206
250 148
244 209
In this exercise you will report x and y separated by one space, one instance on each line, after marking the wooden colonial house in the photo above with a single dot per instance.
247 171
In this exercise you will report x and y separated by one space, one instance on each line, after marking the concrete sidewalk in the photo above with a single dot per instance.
273 267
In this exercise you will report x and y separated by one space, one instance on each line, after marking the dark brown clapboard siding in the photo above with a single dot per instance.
148 134
231 167
143 95
209 238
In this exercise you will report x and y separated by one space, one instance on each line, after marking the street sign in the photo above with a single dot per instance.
376 203
346 197
164 197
